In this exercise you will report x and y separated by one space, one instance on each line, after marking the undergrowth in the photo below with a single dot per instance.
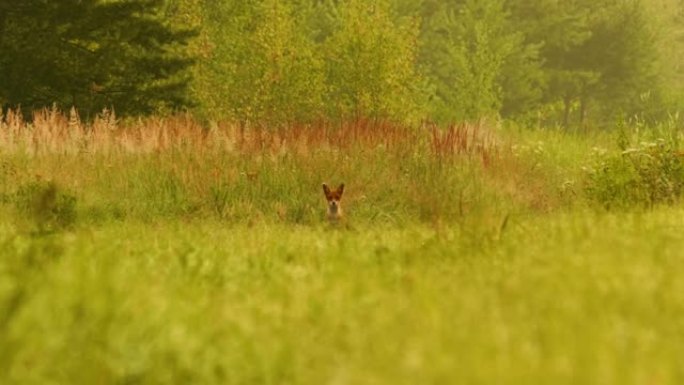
176 168
645 170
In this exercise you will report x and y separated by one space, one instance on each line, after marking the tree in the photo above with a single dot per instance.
626 48
600 57
371 62
262 65
283 61
91 54
466 45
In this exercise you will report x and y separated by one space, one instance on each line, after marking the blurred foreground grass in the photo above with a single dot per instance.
563 298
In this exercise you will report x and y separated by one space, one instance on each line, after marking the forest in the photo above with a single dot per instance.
544 63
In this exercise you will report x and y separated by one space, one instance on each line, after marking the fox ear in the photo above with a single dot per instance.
326 190
340 189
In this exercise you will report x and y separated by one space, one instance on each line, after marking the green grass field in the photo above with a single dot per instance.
462 261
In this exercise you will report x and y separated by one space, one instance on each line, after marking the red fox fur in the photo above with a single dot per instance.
333 197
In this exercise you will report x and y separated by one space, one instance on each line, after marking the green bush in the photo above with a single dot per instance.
47 207
648 174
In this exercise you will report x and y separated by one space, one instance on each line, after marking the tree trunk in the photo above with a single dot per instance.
566 112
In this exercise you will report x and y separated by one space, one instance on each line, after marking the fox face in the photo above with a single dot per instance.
333 198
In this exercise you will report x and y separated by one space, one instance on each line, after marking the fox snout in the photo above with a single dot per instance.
333 197
333 206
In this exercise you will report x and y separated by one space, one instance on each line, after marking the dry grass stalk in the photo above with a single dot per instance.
52 132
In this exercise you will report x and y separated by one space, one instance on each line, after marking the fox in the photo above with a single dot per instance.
334 213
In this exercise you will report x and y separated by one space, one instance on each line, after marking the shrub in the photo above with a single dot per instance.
46 206
648 174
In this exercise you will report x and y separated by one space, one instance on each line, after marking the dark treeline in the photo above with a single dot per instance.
92 54
550 62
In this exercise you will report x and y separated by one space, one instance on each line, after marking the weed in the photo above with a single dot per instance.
47 207
644 175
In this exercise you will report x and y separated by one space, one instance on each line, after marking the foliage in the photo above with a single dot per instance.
567 64
274 63
598 58
46 206
261 67
465 47
91 54
644 174
281 62
370 63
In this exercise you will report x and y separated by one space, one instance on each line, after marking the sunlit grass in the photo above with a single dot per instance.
573 298
162 252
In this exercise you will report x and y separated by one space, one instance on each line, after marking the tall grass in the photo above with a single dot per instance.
161 250
174 166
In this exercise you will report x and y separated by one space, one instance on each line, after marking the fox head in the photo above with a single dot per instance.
333 198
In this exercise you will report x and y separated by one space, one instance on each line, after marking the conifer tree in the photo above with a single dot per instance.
91 54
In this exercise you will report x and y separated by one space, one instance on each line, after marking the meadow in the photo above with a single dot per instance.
161 250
